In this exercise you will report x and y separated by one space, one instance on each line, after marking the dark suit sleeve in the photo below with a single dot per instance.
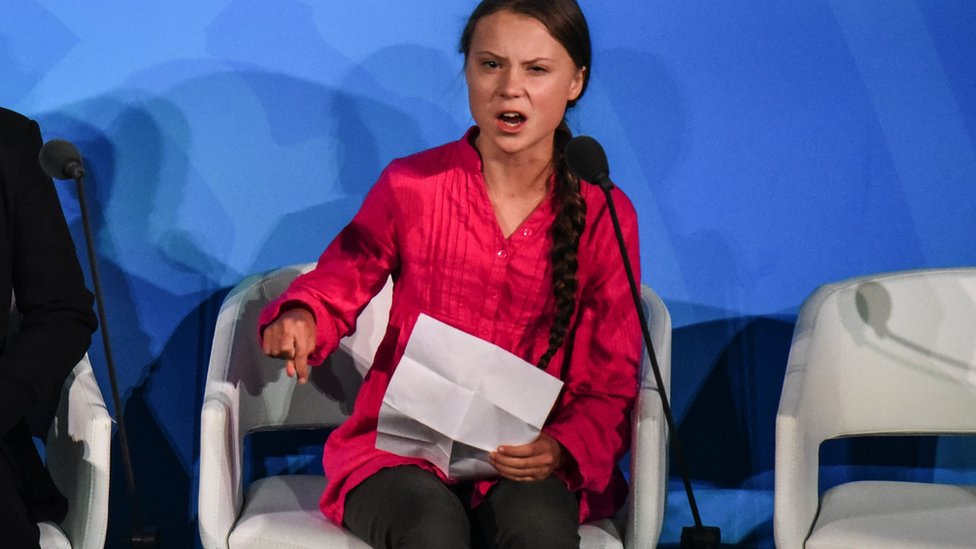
57 319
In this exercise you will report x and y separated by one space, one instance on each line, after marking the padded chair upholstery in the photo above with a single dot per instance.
887 354
78 449
248 392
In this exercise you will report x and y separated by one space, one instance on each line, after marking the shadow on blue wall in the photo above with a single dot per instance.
163 480
728 425
138 182
300 236
166 484
728 429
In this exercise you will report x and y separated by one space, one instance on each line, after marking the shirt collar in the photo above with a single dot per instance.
470 157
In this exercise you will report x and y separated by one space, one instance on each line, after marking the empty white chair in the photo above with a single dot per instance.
887 354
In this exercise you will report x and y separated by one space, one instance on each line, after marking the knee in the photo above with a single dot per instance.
540 515
407 507
537 530
430 523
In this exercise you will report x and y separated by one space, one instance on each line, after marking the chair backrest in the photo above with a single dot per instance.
659 326
892 353
268 398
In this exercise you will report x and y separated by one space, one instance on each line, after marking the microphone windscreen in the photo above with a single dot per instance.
586 159
60 159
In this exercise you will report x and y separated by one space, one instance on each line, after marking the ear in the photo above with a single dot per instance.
576 86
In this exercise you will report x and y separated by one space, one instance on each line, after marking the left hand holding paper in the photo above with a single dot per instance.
455 398
534 461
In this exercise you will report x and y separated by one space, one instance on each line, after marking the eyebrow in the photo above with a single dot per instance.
493 54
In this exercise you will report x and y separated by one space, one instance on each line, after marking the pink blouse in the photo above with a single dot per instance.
428 221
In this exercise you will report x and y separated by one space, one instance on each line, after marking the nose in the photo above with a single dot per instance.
511 83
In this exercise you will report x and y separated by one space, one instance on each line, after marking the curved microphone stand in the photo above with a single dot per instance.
588 162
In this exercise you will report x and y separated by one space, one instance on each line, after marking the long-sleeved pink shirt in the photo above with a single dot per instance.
428 221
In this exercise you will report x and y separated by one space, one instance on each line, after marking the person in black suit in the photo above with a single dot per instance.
39 271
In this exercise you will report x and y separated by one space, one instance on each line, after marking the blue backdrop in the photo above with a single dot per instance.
769 147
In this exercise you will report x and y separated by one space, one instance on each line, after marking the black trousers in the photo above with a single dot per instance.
27 493
408 507
17 528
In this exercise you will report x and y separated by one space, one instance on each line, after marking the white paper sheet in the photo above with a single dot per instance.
454 397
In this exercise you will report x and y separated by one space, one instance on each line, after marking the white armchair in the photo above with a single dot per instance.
248 392
885 354
78 449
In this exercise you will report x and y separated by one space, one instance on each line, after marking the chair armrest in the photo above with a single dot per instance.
79 454
221 493
805 419
221 496
648 473
796 497
649 445
802 423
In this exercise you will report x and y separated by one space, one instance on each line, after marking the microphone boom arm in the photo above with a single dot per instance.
586 159
649 345
59 159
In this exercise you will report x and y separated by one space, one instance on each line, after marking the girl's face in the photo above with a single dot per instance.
519 81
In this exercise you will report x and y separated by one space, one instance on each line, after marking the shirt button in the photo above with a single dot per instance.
502 254
526 232
493 294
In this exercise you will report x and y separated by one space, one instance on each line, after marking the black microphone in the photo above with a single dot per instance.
61 160
587 161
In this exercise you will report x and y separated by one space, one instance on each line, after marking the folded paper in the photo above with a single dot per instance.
454 397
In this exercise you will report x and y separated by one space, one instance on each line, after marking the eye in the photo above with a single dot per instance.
490 64
537 69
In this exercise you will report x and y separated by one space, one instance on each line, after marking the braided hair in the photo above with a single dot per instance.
566 230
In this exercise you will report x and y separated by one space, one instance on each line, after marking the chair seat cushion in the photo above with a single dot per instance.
601 534
52 537
283 512
895 515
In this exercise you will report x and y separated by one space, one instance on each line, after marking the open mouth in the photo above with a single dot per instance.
511 119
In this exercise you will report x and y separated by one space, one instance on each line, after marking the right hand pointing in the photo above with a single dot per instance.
291 337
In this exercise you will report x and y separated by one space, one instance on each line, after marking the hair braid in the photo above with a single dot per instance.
566 230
